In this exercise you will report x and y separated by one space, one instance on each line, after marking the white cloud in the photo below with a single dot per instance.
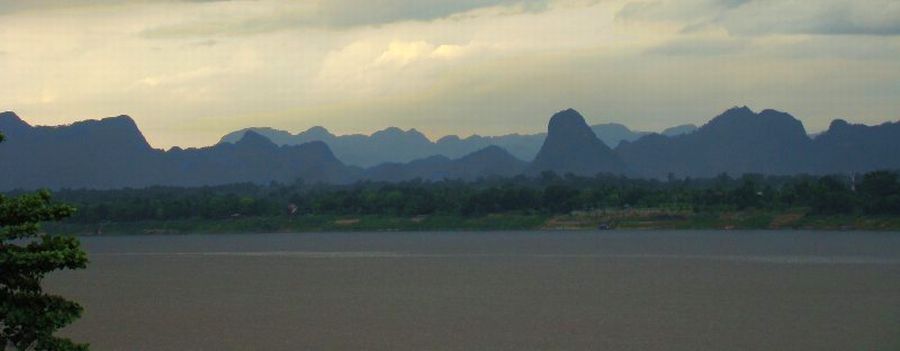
403 53
477 66
375 67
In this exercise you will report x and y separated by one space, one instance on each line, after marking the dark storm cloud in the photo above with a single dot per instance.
762 17
682 11
338 14
348 13
11 6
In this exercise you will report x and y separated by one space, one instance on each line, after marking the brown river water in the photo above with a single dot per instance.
615 290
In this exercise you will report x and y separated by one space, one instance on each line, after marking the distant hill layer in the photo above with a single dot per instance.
769 142
112 153
490 161
394 145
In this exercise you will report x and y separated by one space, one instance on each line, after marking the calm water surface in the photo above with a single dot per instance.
615 290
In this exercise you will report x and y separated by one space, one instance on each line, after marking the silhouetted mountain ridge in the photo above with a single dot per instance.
737 141
846 147
487 162
572 147
393 145
113 153
612 134
11 123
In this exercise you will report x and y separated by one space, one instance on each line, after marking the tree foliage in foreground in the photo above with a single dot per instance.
28 316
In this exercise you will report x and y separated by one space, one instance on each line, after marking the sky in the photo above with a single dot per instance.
189 72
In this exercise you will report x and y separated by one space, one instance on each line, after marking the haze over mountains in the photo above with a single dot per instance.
112 153
396 145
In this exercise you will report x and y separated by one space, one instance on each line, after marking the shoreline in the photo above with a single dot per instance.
645 219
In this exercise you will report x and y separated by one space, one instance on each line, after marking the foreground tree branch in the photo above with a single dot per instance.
28 316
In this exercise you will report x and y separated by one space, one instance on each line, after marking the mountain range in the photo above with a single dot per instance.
740 141
112 153
394 145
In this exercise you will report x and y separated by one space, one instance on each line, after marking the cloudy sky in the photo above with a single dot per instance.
190 71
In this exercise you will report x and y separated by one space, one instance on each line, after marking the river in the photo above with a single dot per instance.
610 290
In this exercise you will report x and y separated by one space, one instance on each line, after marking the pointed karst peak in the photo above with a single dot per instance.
566 119
569 124
9 115
739 109
736 111
10 120
253 139
571 146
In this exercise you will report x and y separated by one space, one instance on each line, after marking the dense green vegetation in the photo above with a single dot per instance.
29 316
302 206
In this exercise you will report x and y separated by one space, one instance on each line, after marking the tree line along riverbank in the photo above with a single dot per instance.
868 201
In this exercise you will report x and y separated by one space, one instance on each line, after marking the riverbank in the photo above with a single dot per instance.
643 219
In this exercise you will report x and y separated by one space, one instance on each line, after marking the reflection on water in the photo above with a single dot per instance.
377 254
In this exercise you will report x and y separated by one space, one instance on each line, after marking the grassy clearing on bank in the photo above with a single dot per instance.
319 223
639 219
660 219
